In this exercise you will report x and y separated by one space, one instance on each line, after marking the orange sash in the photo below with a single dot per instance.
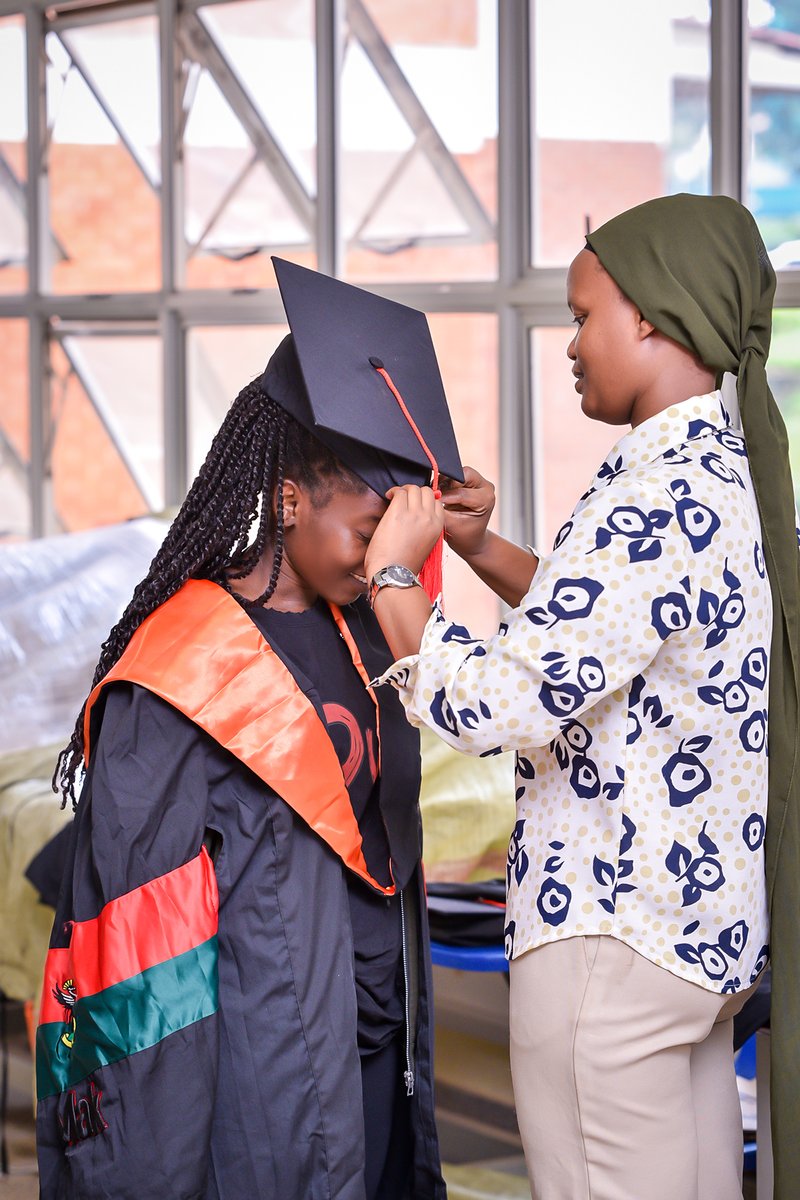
201 653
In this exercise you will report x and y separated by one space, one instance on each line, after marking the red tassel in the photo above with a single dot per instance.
431 574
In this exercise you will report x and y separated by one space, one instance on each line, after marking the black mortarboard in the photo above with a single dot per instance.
339 373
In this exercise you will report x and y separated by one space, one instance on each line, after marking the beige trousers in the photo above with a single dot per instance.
623 1077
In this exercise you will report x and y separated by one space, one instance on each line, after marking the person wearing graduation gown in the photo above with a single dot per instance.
647 677
237 995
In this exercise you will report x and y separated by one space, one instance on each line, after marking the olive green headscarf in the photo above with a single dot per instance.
697 269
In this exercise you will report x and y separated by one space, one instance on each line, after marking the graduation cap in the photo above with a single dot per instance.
360 373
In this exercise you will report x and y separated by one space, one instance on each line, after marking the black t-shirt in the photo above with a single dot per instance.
311 642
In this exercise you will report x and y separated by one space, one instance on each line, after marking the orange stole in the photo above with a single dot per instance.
201 653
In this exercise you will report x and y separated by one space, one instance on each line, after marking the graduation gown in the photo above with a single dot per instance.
197 1034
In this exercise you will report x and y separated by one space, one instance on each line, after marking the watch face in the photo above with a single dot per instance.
401 575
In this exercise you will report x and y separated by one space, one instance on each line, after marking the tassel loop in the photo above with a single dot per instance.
431 574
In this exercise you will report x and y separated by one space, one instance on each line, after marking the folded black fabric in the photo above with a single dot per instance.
467 914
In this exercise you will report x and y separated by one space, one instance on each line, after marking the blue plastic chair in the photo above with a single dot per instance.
746 1067
469 958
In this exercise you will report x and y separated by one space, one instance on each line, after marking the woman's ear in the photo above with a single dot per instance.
645 327
291 499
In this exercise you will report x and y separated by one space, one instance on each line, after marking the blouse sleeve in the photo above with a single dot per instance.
598 610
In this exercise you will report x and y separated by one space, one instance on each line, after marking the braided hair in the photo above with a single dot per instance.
210 538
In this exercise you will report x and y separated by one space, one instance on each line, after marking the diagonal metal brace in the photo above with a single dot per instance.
429 140
198 43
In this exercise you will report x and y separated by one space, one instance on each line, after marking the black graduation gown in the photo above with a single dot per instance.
198 1027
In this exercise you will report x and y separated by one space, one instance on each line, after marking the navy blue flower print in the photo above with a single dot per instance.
609 470
634 728
591 675
675 458
612 789
698 522
731 985
735 697
553 901
711 958
753 733
574 598
652 708
732 611
613 879
469 719
554 898
458 633
712 961
603 871
697 428
715 466
628 834
758 559
684 774
702 872
560 699
584 778
639 528
508 938
525 768
734 939
570 749
557 666
717 614
518 861
761 962
443 714
670 614
754 668
706 874
731 441
563 534
753 831
578 736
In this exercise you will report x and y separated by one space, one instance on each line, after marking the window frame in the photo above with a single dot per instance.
522 297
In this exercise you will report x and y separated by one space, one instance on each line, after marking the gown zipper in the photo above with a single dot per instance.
408 1074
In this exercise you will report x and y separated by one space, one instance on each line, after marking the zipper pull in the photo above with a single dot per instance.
408 1076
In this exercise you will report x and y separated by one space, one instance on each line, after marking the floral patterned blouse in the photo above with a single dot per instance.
632 683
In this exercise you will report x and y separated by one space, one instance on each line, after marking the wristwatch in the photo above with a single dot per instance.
392 576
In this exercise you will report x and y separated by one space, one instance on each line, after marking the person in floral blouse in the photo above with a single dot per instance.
631 677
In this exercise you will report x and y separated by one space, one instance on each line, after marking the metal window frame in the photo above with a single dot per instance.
522 298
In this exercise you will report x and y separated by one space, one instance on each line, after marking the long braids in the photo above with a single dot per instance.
210 537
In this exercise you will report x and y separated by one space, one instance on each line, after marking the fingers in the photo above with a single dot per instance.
415 499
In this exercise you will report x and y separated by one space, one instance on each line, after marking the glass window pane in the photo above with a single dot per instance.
14 432
607 139
107 428
419 140
774 167
102 103
568 446
466 347
249 141
13 167
222 360
783 369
